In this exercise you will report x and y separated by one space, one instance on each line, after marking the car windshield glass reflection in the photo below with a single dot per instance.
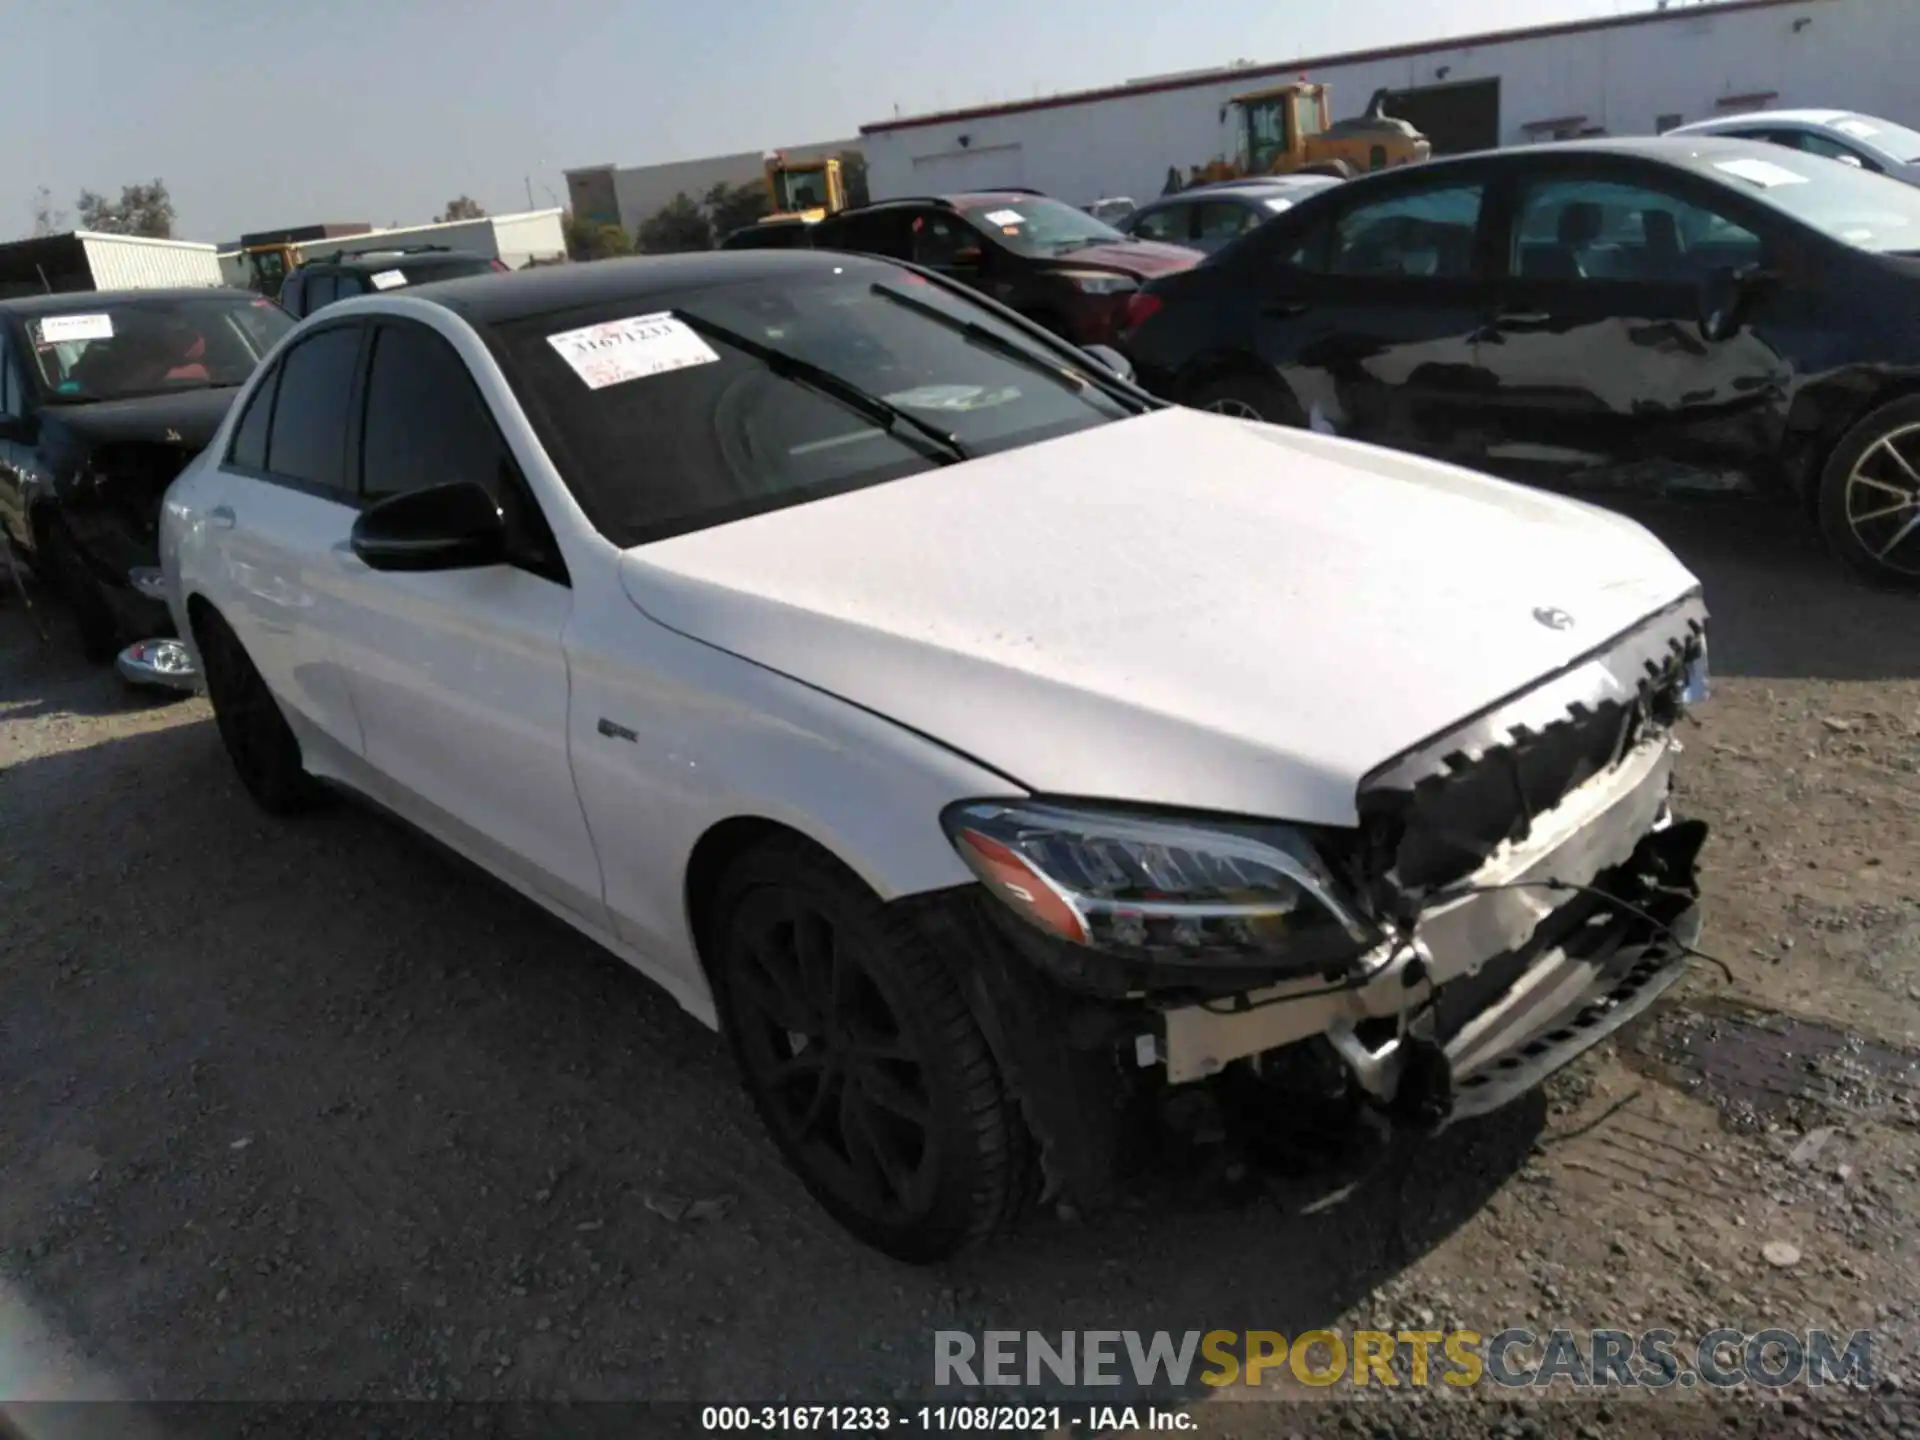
779 393
1865 210
150 347
1035 225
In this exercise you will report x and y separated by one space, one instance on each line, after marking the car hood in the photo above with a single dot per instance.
1181 609
1139 258
188 418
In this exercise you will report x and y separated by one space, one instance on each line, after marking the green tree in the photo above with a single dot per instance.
853 173
141 210
732 207
593 239
462 207
678 225
46 219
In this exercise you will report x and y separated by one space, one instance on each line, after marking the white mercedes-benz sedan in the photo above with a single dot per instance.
979 743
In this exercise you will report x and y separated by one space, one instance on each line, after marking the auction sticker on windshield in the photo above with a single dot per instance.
1760 172
1005 217
55 328
387 279
622 350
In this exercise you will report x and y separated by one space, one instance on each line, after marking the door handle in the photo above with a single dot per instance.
1522 317
220 517
1283 309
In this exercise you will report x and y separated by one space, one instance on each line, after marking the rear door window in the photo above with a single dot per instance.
1428 233
307 443
249 448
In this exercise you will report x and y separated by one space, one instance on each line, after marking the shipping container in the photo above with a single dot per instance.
82 260
514 240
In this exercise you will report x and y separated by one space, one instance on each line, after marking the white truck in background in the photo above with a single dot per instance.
83 260
514 240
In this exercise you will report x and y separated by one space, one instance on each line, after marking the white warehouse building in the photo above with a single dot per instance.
1621 75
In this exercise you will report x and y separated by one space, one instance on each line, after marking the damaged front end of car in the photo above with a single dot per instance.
1515 891
109 501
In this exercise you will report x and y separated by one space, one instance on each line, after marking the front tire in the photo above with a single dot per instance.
262 746
1869 496
1247 396
863 1059
74 582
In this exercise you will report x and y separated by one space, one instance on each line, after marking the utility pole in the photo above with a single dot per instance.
529 192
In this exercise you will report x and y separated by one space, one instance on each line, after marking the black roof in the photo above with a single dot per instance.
1673 149
497 299
84 300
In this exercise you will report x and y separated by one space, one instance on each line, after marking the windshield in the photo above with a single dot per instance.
425 272
127 348
660 425
1871 212
1885 136
801 189
1035 225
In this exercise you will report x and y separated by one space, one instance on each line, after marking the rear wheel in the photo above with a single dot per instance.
1869 498
1247 396
75 584
261 744
862 1057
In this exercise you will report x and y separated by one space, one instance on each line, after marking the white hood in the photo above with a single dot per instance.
1180 609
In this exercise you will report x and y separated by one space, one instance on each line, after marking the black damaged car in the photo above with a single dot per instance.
104 397
1676 312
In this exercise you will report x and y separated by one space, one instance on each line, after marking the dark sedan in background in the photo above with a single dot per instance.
1595 314
104 398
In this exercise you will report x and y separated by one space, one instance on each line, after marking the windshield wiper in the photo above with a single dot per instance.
881 411
1001 345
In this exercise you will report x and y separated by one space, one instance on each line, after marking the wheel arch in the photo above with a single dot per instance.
724 841
1823 414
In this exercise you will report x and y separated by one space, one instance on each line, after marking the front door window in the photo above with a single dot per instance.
1598 230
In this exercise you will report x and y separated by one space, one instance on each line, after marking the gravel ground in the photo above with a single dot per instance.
311 1111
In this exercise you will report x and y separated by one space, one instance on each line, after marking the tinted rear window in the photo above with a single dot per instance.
725 437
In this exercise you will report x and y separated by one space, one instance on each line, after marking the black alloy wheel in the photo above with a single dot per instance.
1869 497
863 1058
262 746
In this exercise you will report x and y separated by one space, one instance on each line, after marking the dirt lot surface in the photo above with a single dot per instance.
311 1111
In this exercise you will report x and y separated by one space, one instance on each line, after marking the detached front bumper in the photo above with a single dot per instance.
1547 949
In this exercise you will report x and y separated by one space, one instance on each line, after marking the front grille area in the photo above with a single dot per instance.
1433 817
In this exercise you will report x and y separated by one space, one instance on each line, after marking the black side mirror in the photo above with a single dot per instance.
444 527
1111 358
1724 297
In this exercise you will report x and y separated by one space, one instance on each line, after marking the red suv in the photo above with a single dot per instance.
1054 264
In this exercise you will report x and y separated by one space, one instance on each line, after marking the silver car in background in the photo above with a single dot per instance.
1867 141
1209 217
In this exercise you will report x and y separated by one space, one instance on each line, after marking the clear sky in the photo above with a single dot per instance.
262 113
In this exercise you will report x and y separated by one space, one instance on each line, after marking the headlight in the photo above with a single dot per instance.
1093 282
1160 887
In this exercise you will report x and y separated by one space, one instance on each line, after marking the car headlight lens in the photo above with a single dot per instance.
1091 282
1160 887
